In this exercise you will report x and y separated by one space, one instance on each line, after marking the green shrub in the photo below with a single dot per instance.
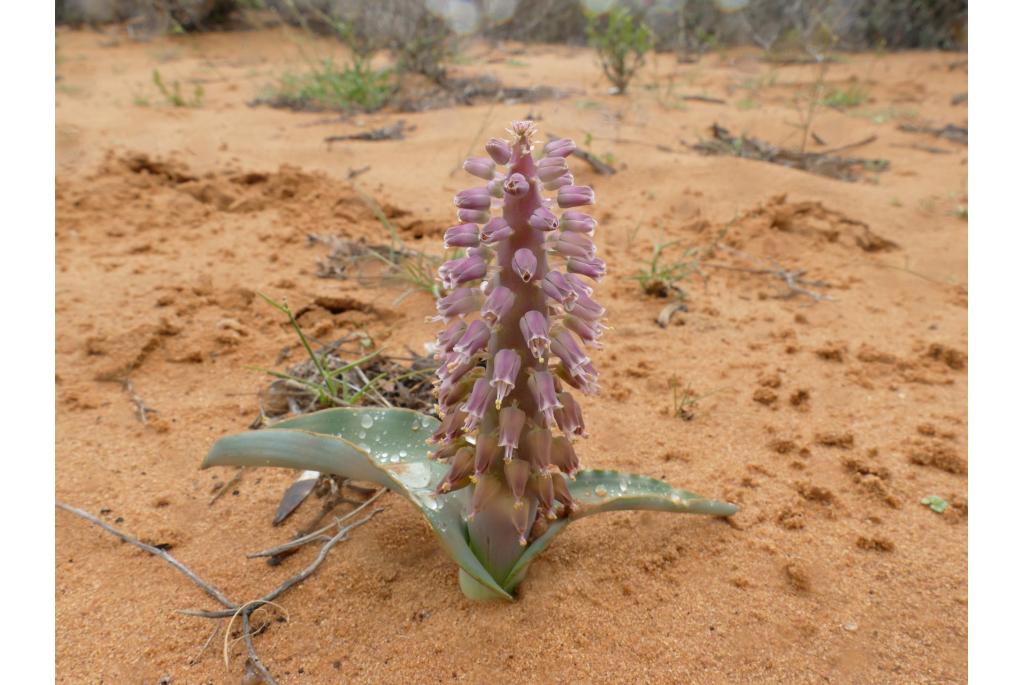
355 87
621 44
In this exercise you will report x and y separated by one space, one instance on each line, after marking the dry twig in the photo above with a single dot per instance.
793 278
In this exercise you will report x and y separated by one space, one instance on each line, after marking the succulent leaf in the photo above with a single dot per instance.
383 446
598 490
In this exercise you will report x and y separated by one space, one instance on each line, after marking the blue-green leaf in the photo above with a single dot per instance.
383 446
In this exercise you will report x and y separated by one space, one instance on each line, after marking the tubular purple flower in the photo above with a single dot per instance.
472 341
591 267
579 285
474 198
517 475
516 185
545 494
459 271
564 346
497 304
488 488
560 182
537 448
506 370
499 150
570 417
463 235
561 491
589 331
475 406
588 309
447 338
575 196
494 230
569 244
556 286
564 456
474 216
534 327
510 424
542 387
578 222
458 302
524 263
543 219
550 168
452 426
481 167
563 147
486 452
459 471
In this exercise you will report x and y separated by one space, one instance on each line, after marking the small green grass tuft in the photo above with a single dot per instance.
172 94
327 87
846 98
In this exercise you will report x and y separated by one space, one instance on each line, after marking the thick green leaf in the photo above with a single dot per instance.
383 446
599 490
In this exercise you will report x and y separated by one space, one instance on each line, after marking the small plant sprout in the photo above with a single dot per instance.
621 44
497 477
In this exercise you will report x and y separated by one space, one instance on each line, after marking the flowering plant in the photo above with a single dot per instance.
503 478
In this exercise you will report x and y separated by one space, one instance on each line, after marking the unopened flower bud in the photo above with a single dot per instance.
543 219
591 267
575 196
559 182
499 150
563 147
474 216
556 286
463 235
524 263
458 302
497 304
578 222
481 167
569 244
494 230
550 168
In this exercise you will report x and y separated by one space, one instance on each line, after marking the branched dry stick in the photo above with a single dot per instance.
793 278
231 609
318 534
140 407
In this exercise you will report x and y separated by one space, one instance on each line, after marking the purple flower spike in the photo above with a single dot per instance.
463 235
590 267
479 399
510 424
575 196
481 167
542 386
458 302
516 185
494 230
570 244
474 198
506 370
472 341
459 271
524 263
578 222
556 286
534 327
563 147
499 150
497 304
543 219
550 168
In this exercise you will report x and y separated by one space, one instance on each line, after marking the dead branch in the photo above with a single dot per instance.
230 483
395 131
141 410
232 609
703 98
317 534
793 278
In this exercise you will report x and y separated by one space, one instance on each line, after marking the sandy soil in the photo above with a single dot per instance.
827 422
